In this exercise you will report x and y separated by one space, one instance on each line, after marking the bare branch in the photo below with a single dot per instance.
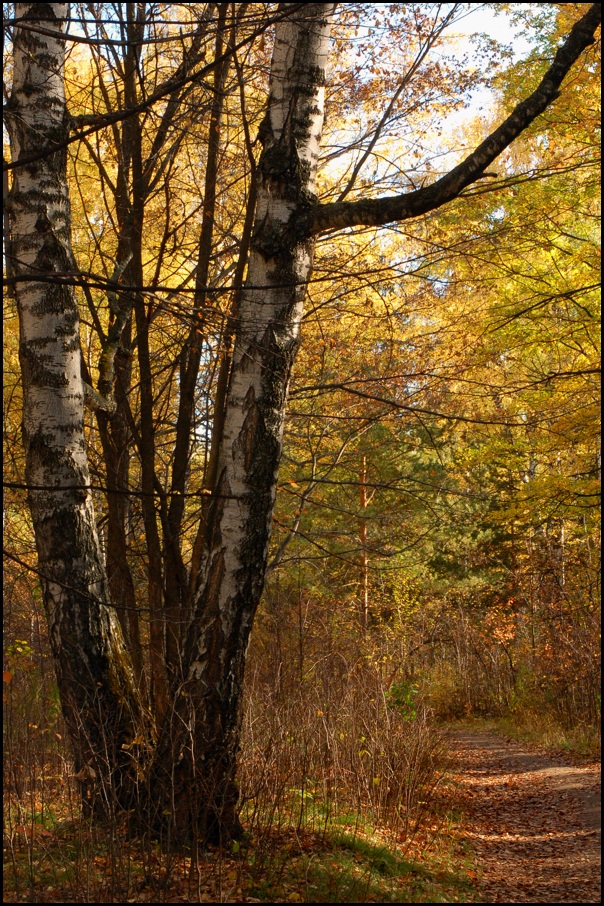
96 402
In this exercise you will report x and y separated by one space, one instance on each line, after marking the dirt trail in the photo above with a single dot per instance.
533 820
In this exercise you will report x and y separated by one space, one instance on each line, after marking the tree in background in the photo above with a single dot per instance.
175 749
486 506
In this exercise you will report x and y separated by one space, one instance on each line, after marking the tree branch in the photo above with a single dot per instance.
94 122
96 402
379 211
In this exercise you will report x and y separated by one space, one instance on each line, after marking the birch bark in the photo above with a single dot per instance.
196 758
93 668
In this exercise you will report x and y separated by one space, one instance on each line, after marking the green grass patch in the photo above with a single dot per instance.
357 869
352 863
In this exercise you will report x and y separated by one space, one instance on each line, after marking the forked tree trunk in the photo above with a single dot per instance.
93 667
194 775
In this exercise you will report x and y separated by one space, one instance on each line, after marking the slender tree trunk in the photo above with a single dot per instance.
364 589
116 440
176 581
93 668
194 772
158 680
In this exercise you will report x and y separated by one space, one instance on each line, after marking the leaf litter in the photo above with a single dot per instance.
533 819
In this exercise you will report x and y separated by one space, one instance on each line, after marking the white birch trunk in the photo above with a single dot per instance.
93 668
202 739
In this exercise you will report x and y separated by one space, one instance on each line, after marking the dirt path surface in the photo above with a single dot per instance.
533 820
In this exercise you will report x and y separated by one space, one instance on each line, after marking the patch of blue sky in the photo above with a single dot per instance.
497 22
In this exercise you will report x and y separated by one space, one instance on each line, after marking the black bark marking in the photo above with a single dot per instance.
35 370
252 430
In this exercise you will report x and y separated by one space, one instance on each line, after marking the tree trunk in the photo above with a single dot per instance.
116 439
364 583
194 773
176 581
93 668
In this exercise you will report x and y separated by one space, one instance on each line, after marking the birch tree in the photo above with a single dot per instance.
93 666
180 768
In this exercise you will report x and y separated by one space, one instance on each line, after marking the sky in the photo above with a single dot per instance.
497 26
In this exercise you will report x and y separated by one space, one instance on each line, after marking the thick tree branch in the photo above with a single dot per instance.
379 211
96 402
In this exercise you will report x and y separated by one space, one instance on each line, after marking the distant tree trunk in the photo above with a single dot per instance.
94 672
364 584
176 584
194 772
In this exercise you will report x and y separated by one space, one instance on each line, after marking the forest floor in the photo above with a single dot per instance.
510 823
532 817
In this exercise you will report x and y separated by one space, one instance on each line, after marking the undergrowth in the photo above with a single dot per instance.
348 861
344 799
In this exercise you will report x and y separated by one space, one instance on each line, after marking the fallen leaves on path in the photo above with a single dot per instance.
533 820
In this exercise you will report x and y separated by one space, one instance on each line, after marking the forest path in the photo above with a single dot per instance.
533 819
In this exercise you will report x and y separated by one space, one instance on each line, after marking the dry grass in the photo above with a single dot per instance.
343 800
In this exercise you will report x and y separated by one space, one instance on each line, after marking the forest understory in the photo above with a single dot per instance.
508 822
354 789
